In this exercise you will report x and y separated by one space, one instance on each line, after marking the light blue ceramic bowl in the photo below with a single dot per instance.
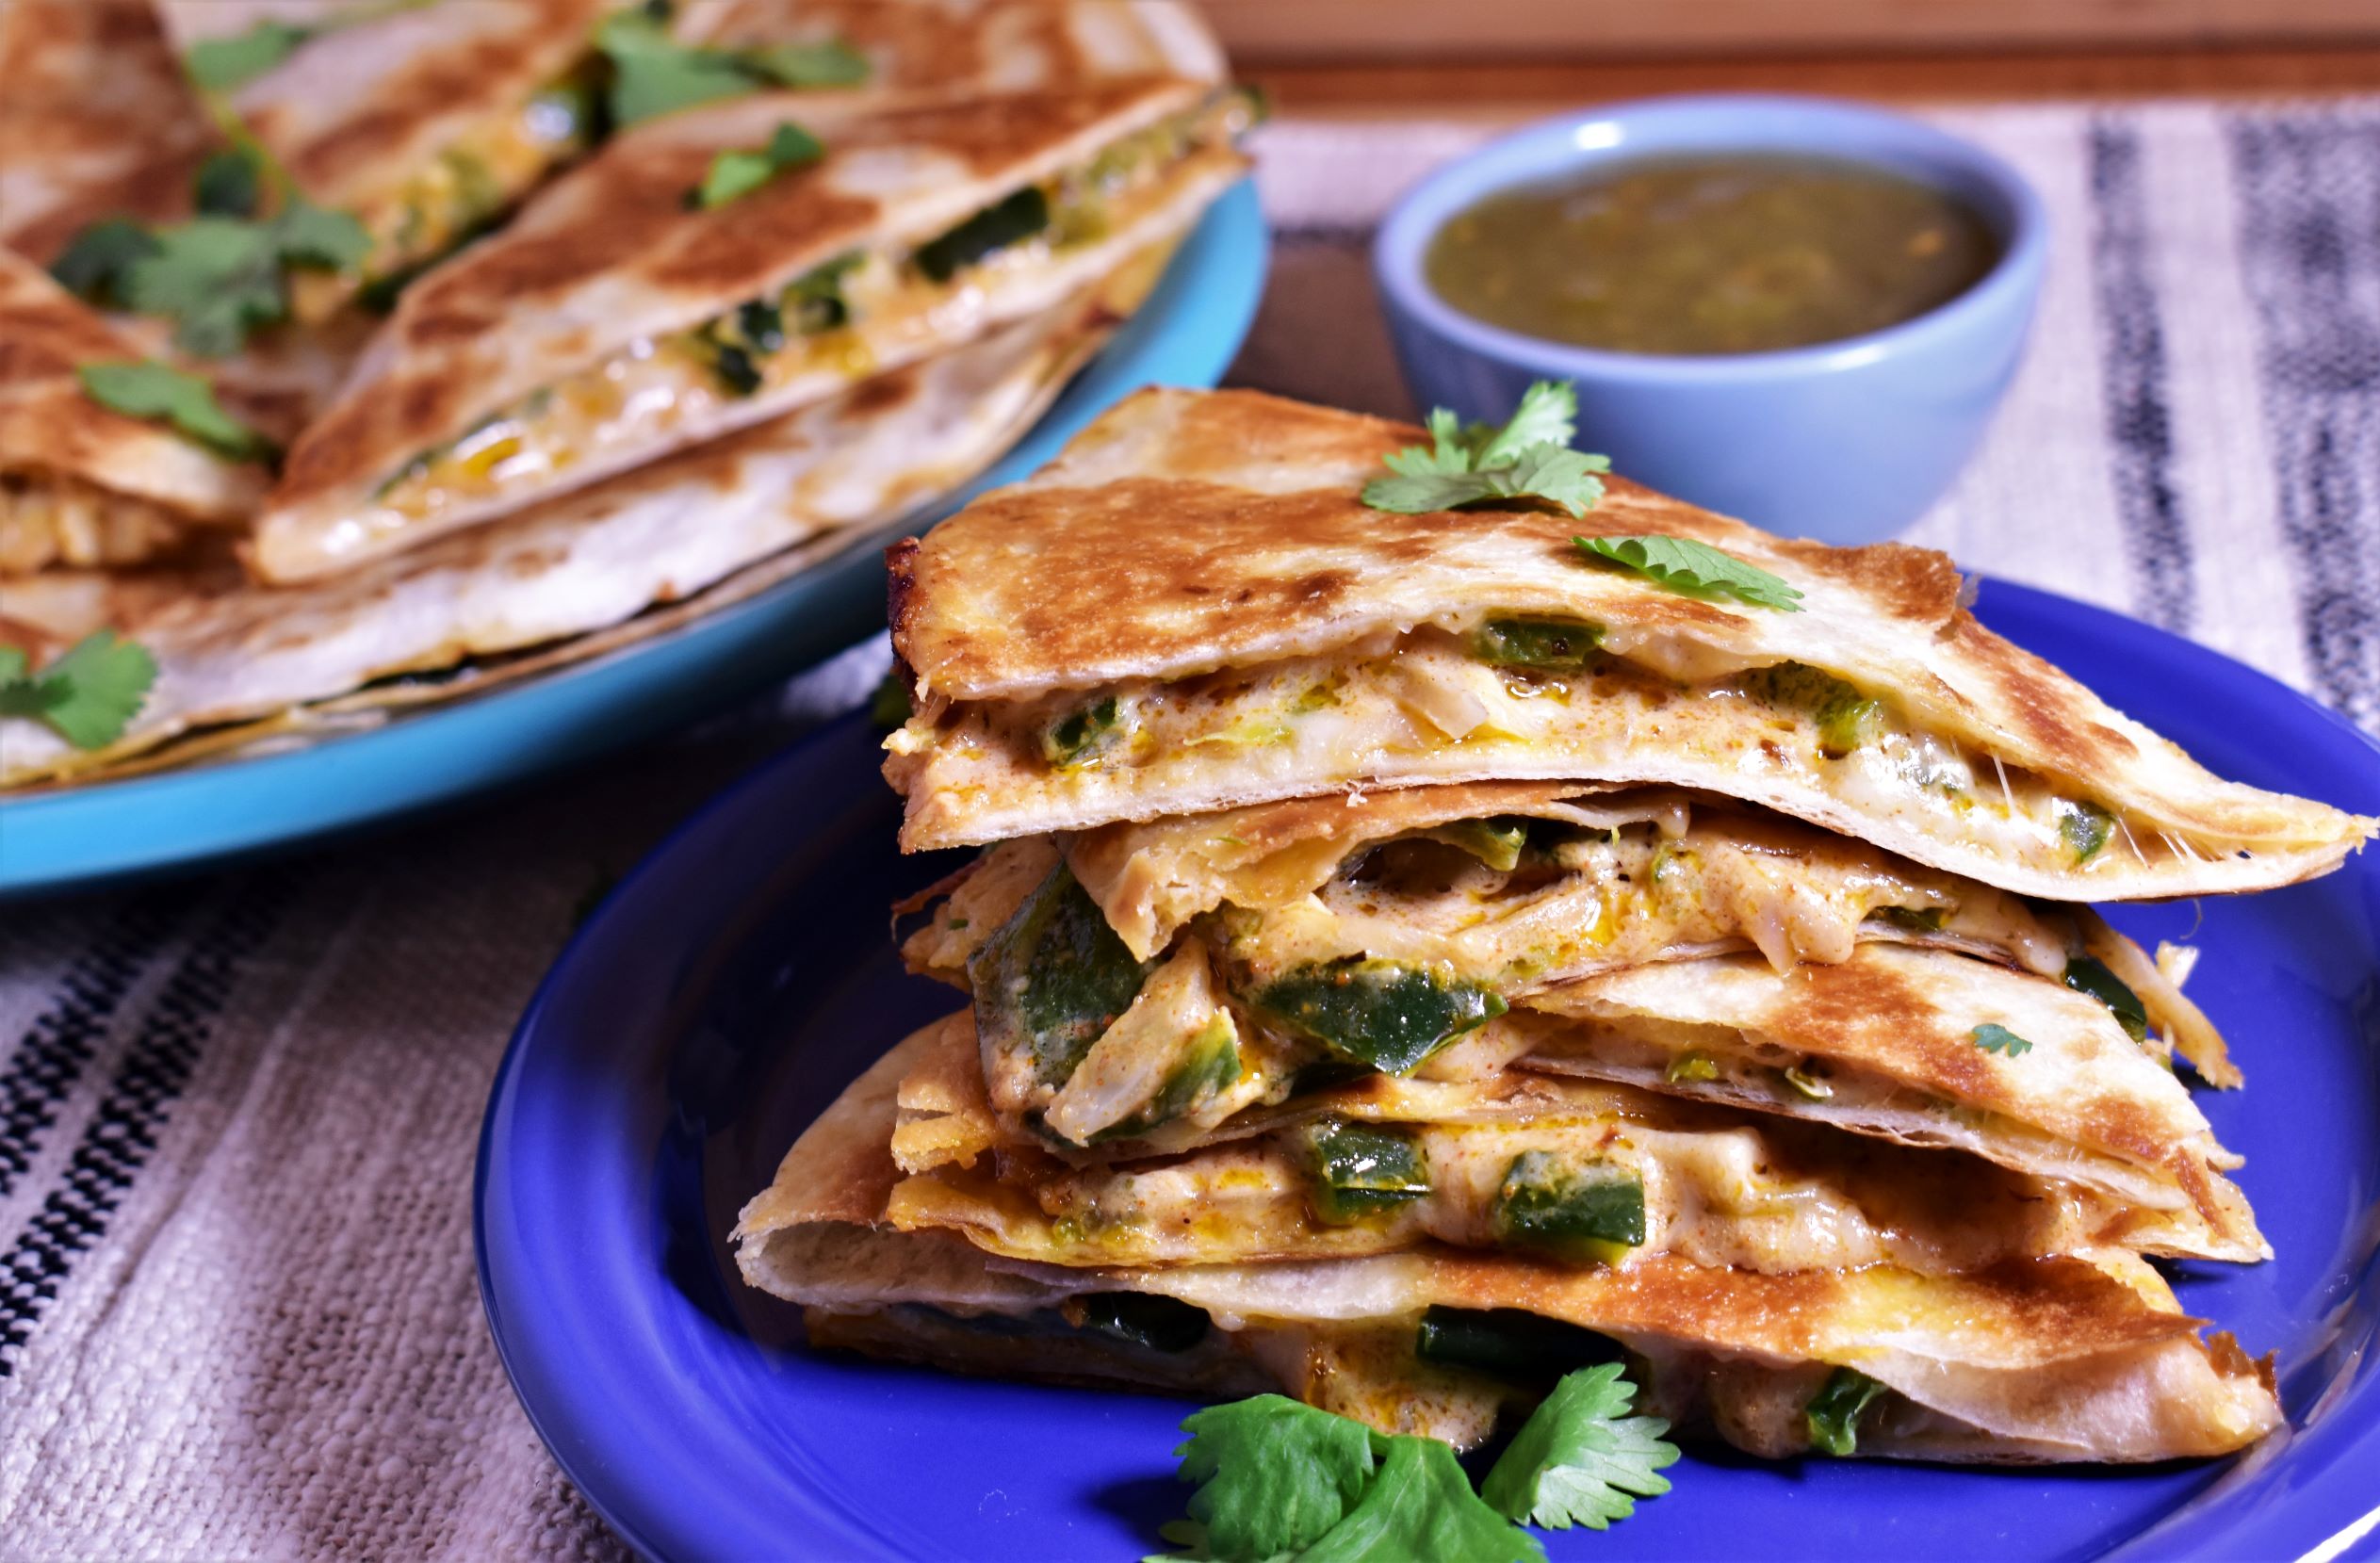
1848 441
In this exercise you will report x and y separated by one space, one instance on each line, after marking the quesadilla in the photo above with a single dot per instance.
1193 610
615 320
82 485
969 46
97 121
1515 1158
2028 1361
238 663
424 120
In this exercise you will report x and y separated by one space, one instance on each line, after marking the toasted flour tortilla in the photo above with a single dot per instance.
96 121
1722 1187
2048 1359
968 46
569 347
81 484
248 659
1191 532
422 120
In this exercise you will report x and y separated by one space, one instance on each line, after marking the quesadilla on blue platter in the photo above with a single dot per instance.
626 313
2024 1360
1193 609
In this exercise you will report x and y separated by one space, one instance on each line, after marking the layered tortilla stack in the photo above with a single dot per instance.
1411 955
549 324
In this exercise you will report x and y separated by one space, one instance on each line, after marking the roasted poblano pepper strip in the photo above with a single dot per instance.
996 227
1496 843
816 297
1592 1212
2084 827
1053 979
1930 920
1377 1012
1362 1169
1834 1412
1161 1323
1509 1342
1846 718
1082 735
2086 975
1691 1064
1537 643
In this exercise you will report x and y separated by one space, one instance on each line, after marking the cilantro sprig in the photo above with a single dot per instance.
1580 1456
1994 1039
738 173
87 696
223 273
1277 1479
1465 464
162 394
653 73
226 64
1694 569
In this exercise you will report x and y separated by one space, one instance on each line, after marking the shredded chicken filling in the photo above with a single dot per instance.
48 520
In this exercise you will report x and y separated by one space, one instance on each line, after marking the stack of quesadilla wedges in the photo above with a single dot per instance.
1410 957
507 394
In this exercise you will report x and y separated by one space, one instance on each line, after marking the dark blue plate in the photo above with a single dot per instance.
1186 333
732 986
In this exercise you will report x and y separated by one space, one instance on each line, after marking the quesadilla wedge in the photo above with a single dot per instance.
1516 1159
2036 1361
614 321
80 482
425 120
97 121
1519 886
1083 1046
1191 609
238 663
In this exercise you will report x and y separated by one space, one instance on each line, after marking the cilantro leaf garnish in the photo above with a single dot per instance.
1276 1474
1833 1414
1999 1039
224 64
1580 1455
739 172
1529 457
1421 1505
162 394
833 63
87 696
229 183
94 263
1694 569
220 278
653 73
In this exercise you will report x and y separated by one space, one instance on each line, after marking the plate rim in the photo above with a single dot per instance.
112 831
2356 1424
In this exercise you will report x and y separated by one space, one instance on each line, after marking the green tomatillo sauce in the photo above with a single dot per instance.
1743 254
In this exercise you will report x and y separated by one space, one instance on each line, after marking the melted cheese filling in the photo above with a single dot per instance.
1719 1197
1421 706
657 384
51 521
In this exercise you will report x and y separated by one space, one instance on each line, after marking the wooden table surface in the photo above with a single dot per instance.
1504 90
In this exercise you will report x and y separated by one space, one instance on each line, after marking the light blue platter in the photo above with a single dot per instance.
1186 335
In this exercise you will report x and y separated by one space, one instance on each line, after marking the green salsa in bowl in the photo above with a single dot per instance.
1800 311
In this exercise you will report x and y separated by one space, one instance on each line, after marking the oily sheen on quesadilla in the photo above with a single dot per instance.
81 484
1191 609
614 321
2040 1359
237 661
